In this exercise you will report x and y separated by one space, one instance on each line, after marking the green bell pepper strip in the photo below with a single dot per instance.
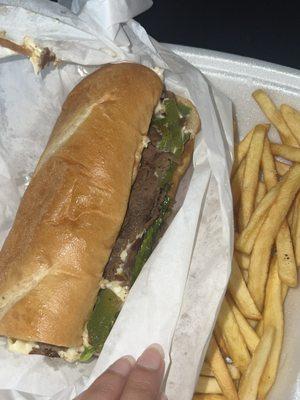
101 321
183 109
173 137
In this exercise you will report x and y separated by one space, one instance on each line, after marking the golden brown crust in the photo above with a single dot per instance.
71 213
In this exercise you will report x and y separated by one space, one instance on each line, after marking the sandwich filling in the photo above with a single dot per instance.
149 204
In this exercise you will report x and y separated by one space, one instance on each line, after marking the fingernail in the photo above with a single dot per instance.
123 366
152 357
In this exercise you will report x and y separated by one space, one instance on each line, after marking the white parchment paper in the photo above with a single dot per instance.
176 298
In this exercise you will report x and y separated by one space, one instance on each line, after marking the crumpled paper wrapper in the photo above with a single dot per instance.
177 295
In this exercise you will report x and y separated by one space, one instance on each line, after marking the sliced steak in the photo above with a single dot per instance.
47 350
143 208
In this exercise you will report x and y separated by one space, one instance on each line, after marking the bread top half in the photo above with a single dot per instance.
68 220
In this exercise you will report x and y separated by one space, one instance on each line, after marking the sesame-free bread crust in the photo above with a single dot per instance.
71 213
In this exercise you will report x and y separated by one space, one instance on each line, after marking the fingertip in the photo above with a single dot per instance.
130 359
152 358
123 366
158 348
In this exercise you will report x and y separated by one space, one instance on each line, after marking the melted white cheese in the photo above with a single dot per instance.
103 283
124 253
72 354
160 108
21 347
185 129
146 140
120 270
120 291
85 337
116 287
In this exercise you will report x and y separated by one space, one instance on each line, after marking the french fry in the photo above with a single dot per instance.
246 239
290 217
284 292
209 397
221 342
251 175
220 370
246 346
236 184
234 372
261 192
259 262
292 119
240 151
240 293
248 387
293 217
260 328
250 336
274 115
227 327
273 318
296 229
268 166
287 268
282 168
242 259
253 323
207 384
290 153
206 370
245 275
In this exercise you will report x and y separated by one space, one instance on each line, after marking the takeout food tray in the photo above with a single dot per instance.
237 77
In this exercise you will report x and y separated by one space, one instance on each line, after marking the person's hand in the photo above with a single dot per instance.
128 379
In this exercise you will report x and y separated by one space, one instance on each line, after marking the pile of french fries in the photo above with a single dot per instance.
244 352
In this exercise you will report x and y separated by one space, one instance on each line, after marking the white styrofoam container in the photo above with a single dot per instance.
237 77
